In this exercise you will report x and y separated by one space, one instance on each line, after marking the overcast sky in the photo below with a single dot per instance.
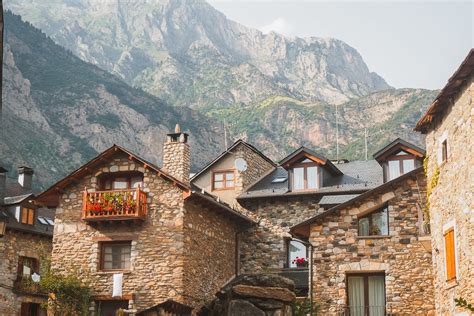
415 44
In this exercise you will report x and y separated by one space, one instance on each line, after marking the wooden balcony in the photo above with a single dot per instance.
114 205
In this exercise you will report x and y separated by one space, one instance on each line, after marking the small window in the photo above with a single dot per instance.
399 165
450 253
305 176
27 266
115 255
444 151
297 254
223 180
374 224
121 181
27 216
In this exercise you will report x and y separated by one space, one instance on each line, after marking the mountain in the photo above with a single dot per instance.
190 54
280 124
59 111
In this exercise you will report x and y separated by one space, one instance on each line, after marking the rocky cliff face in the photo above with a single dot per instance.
190 54
60 111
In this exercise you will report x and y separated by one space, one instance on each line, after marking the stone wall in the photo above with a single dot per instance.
253 295
176 159
210 252
338 250
13 245
264 246
452 200
157 260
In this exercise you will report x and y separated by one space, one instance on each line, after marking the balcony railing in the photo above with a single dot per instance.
25 285
300 276
371 310
114 205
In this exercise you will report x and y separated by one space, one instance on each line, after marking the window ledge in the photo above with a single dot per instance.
451 284
374 237
100 272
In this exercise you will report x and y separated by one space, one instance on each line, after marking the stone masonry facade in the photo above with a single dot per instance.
161 267
264 246
452 199
338 250
13 245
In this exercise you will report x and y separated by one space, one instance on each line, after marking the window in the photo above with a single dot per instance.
27 266
27 216
296 250
444 151
375 223
366 294
121 181
400 164
450 253
223 180
115 255
305 176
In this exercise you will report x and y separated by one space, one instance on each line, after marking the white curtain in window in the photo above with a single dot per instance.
408 165
393 169
296 249
312 177
298 178
356 295
376 295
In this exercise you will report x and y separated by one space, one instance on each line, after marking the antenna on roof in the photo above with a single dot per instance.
337 134
225 135
365 137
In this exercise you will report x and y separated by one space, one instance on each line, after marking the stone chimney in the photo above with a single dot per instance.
25 177
3 180
176 159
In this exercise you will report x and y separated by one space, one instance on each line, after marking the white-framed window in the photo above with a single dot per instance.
443 148
450 252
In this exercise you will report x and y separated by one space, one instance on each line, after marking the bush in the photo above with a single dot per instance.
68 295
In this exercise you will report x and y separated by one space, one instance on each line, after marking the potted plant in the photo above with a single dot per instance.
300 262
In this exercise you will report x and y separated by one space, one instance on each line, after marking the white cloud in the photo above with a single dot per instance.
279 25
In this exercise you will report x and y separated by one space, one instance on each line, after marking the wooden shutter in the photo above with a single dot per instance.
31 216
24 215
450 255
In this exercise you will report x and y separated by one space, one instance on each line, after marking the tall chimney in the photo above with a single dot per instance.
176 160
25 177
3 179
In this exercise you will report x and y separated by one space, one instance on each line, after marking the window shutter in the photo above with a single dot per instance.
31 216
450 255
24 215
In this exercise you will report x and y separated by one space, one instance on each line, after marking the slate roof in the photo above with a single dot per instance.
38 228
381 188
357 177
336 199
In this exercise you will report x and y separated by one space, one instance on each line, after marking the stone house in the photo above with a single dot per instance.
26 233
139 235
449 128
305 184
367 253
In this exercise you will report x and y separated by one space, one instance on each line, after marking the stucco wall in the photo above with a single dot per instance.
256 167
452 200
407 265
